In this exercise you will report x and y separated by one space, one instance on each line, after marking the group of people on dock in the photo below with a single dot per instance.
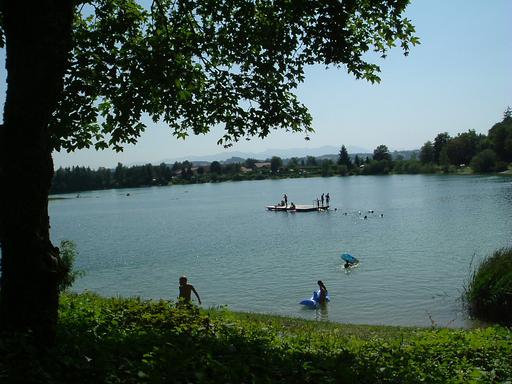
324 198
322 202
285 200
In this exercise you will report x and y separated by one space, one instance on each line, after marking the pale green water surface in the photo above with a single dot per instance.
414 260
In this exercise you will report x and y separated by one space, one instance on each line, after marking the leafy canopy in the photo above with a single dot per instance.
195 64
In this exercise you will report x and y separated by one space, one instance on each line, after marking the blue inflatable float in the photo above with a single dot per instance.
349 258
314 301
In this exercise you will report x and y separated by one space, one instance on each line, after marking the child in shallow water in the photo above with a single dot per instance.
323 292
185 291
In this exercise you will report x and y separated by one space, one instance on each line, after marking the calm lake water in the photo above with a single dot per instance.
414 260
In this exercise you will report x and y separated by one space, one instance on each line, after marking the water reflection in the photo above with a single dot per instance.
322 312
506 193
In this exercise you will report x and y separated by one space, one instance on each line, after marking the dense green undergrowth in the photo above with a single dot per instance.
119 340
489 291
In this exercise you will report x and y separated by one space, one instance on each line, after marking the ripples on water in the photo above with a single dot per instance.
414 260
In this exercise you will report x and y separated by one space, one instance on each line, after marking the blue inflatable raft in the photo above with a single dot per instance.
314 301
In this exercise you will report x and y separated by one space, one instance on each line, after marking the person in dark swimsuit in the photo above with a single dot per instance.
322 298
186 290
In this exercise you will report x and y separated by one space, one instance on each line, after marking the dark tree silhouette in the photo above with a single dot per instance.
38 40
344 158
500 136
427 153
381 153
215 167
275 164
440 142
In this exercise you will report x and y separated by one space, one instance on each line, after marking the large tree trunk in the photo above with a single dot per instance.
38 39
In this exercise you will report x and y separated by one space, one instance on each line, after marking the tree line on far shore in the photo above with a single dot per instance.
483 153
464 153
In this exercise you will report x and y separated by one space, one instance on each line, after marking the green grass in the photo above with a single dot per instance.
489 291
116 340
293 325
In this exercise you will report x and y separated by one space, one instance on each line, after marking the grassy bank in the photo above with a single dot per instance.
130 341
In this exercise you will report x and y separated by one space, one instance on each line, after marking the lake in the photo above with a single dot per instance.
414 259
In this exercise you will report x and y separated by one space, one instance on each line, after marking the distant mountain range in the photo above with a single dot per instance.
327 150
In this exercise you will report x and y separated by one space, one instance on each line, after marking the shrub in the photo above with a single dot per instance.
485 161
489 292
343 170
501 166
68 255
381 167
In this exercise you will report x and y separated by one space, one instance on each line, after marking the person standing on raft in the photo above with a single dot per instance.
285 198
322 297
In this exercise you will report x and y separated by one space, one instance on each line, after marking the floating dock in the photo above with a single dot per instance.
298 208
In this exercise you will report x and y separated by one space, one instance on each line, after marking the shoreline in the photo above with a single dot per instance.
56 195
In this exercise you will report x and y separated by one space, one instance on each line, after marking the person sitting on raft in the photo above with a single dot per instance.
322 297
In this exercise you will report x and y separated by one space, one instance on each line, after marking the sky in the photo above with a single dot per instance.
457 79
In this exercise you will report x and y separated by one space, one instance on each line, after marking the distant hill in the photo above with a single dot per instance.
322 153
234 160
267 154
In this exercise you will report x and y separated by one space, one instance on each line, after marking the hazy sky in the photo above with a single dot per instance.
456 80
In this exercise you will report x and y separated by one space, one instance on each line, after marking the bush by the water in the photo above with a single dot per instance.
133 341
489 292
68 254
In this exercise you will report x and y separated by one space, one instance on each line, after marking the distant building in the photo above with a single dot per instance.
262 165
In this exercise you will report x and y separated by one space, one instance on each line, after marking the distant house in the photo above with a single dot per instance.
262 165
245 169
